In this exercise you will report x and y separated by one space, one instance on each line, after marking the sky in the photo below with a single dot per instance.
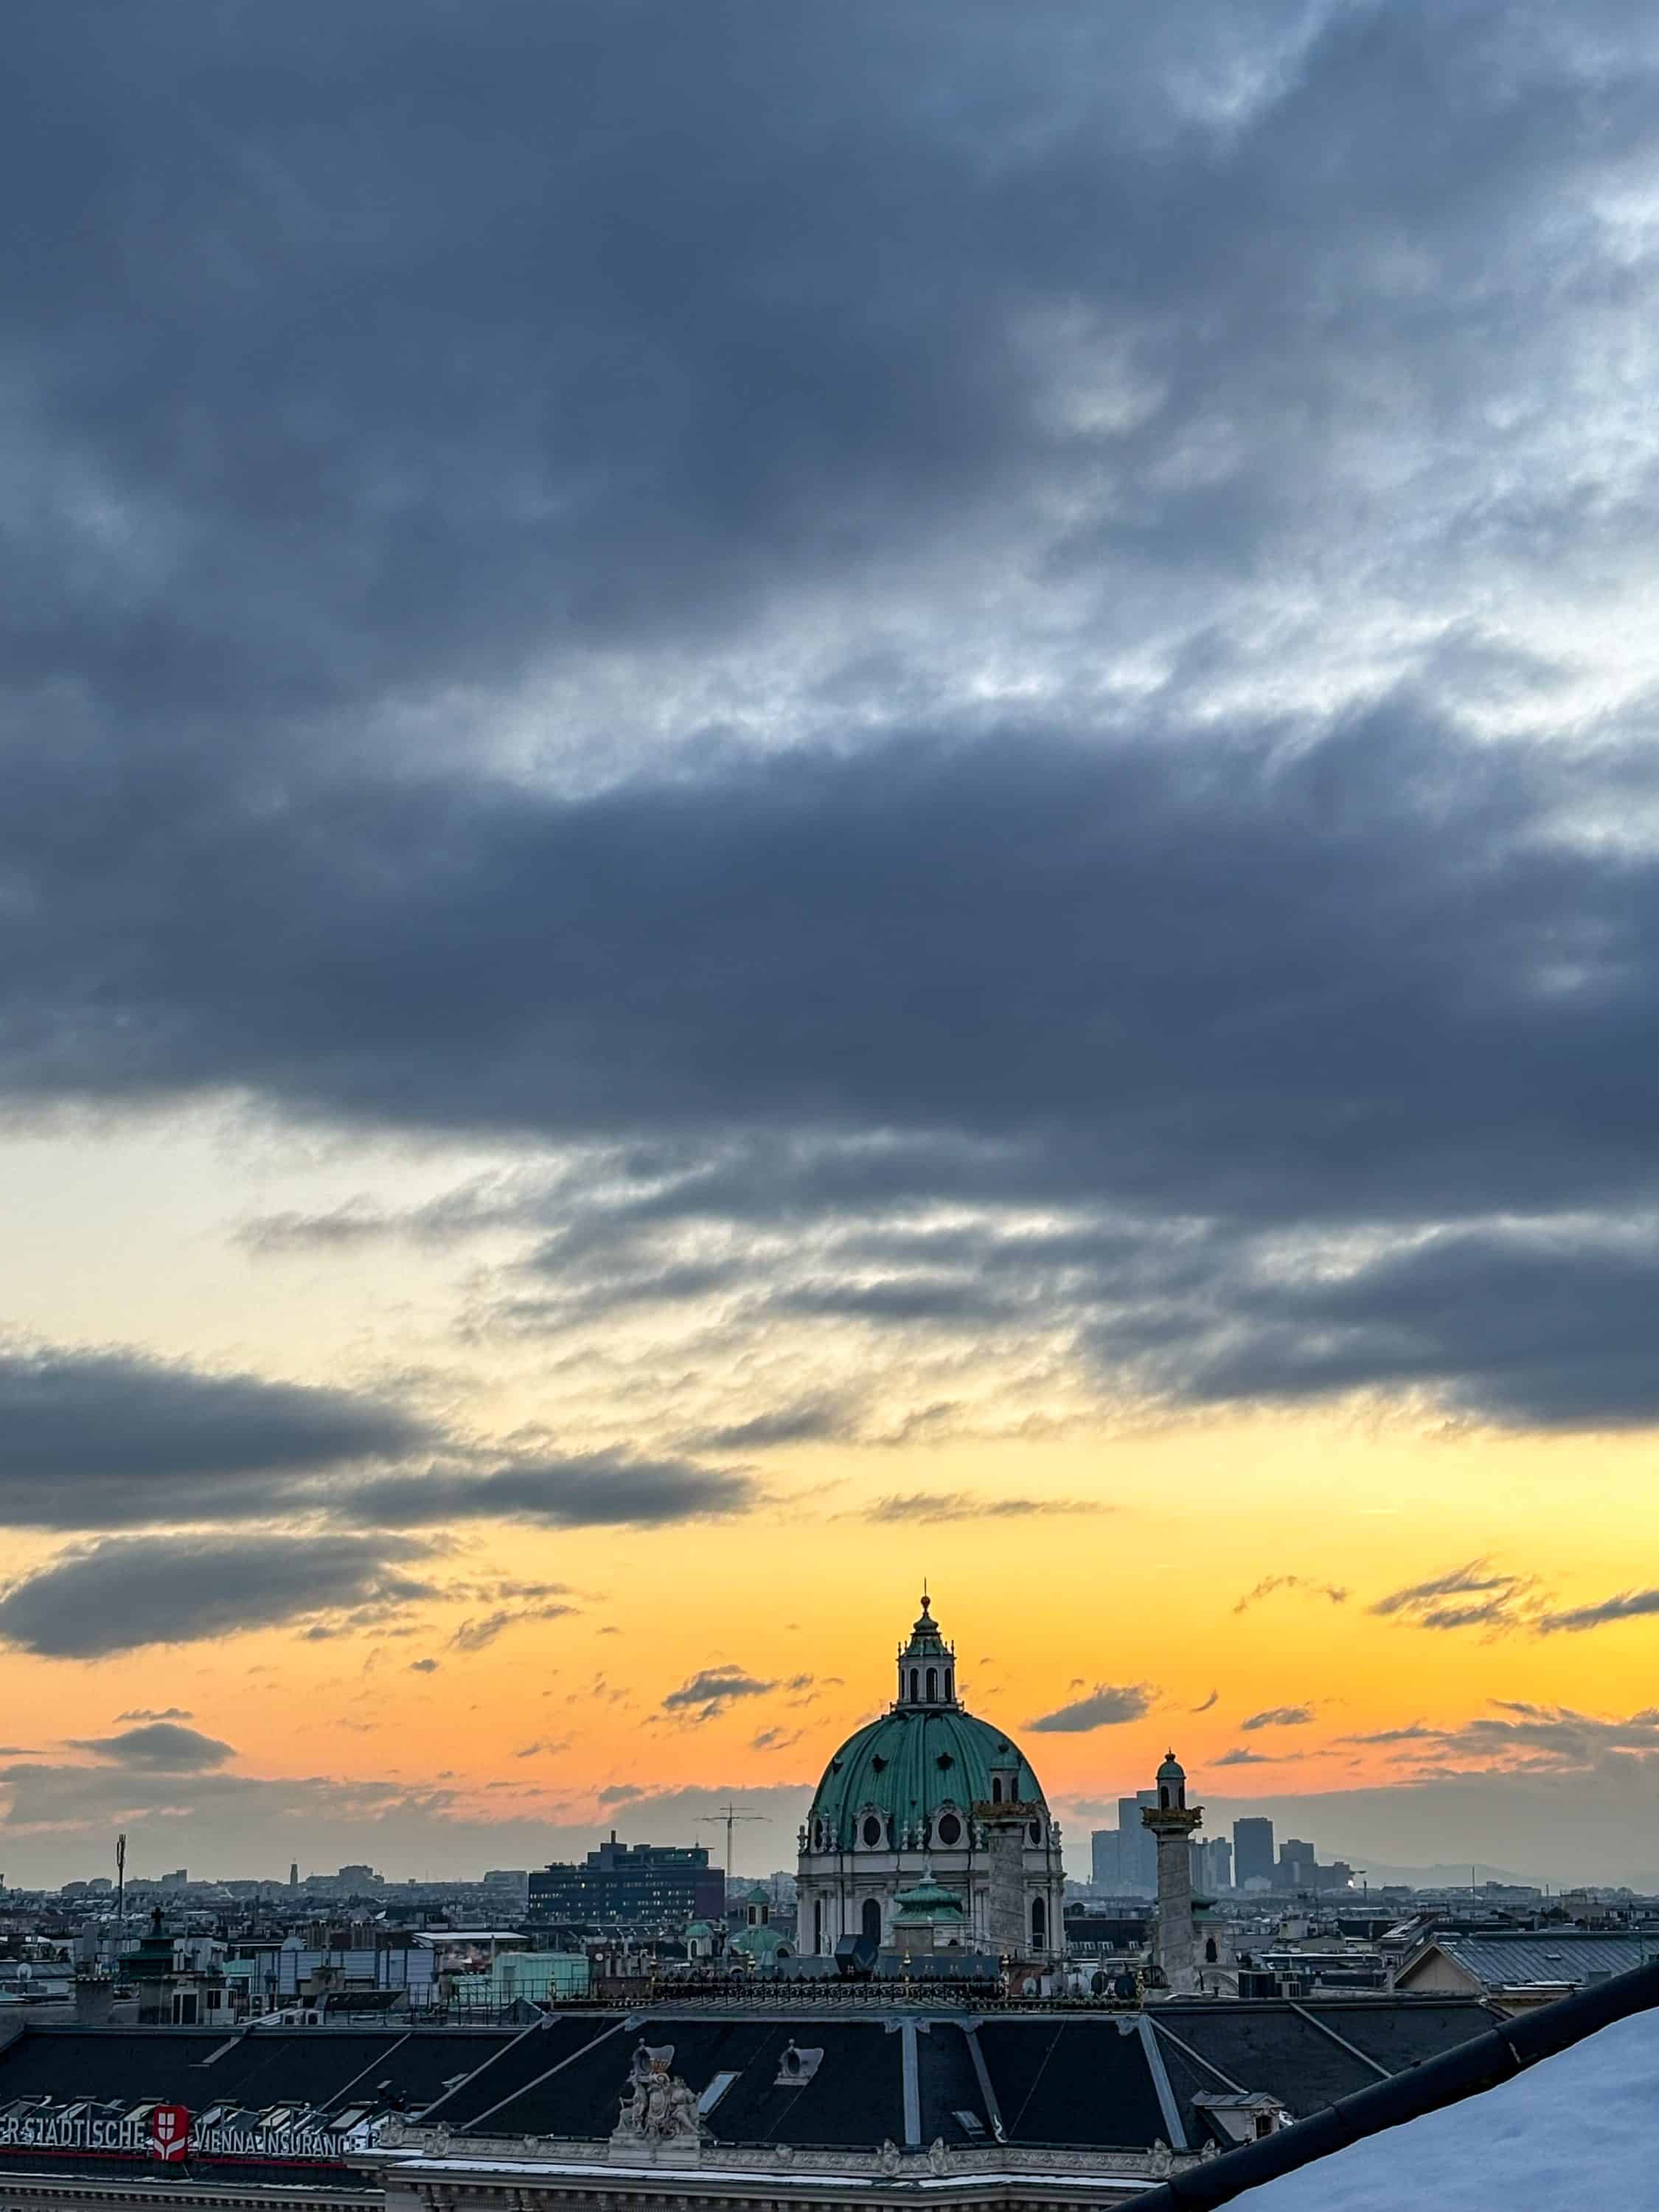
800 797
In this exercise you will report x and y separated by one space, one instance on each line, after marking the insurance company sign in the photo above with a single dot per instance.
168 2132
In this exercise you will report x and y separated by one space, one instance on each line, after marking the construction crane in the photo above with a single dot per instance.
727 1818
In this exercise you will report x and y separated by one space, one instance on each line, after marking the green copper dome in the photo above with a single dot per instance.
925 1759
902 1768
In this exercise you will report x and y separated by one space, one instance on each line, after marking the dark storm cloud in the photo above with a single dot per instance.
361 371
1475 1595
1106 1705
1515 1736
382 340
125 1591
819 1421
708 1692
961 1506
600 1490
478 1634
1271 1584
1413 1732
1533 1326
163 1746
1629 1605
1465 1071
91 1438
640 956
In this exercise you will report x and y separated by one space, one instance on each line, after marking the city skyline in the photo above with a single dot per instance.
803 798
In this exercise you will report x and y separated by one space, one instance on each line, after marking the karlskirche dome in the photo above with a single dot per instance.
930 1790
916 1770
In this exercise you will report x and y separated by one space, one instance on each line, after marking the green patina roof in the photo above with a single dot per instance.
911 1762
761 1940
925 1902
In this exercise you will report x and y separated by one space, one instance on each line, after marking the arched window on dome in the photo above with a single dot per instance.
996 1789
1164 1796
1039 1924
915 1686
950 1685
871 1920
933 1686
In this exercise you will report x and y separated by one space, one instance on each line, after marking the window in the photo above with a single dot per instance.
1034 1832
949 1691
872 1831
817 1923
716 2090
949 1828
932 1684
996 1789
871 1919
1039 1922
916 1679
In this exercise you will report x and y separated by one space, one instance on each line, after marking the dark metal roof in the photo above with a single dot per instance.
260 2067
1550 1956
1086 2079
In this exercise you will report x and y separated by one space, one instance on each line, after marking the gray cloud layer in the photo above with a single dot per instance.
107 1438
125 1591
1050 581
1106 1705
162 1746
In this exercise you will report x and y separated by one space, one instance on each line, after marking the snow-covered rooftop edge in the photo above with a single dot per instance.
1578 2130
1531 2116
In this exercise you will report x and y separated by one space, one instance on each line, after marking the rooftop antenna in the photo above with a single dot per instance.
120 1876
729 1814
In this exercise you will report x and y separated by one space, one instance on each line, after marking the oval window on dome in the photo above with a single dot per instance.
1034 1832
949 1828
872 1831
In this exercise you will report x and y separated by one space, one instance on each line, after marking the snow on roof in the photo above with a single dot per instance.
1579 2128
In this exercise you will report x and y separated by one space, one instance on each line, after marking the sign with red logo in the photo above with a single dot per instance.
169 2131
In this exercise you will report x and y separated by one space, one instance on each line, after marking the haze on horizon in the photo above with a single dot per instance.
795 796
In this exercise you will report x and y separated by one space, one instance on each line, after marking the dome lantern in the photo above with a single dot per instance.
926 1665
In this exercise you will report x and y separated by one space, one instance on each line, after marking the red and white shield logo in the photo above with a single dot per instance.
169 2131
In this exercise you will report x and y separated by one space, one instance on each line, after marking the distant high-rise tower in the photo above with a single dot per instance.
1137 1852
293 1874
1106 1858
1171 1822
1253 1853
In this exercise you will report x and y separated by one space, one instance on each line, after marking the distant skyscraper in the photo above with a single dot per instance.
1137 1847
1298 1864
1253 1853
1212 1866
1105 1860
